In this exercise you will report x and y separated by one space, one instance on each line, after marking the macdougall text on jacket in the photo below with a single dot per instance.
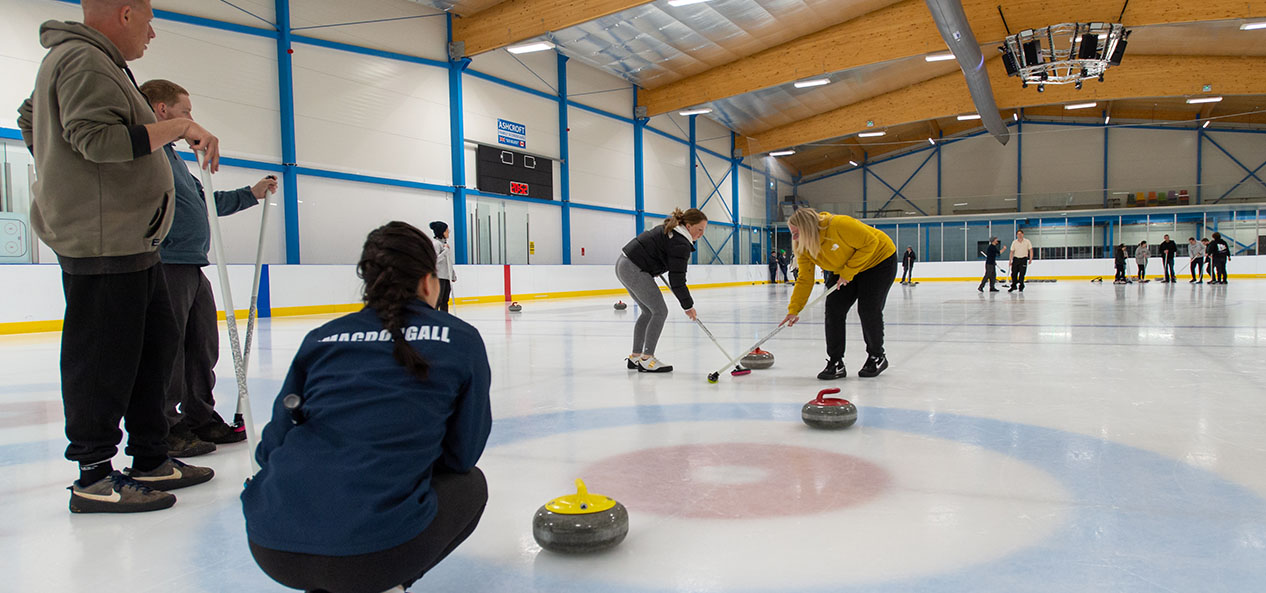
413 333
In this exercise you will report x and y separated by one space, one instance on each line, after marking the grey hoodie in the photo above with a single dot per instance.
103 201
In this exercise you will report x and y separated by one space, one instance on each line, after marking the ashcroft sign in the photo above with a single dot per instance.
511 134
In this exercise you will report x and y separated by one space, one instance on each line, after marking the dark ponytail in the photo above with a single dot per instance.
691 216
395 257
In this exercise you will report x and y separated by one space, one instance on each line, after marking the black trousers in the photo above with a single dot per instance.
1197 266
1219 268
991 276
773 273
869 289
461 497
446 290
783 268
1120 272
118 343
197 348
1019 267
907 273
1168 263
1142 269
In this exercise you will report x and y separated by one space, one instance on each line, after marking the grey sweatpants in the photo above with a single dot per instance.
646 294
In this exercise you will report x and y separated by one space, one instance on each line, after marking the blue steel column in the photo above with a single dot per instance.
865 171
286 94
639 167
1105 161
1019 163
457 142
564 172
694 164
1199 163
734 199
938 174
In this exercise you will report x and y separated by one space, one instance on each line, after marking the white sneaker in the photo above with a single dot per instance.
653 365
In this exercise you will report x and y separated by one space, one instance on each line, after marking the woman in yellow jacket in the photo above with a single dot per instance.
864 258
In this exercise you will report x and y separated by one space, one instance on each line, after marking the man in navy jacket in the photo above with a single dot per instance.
195 427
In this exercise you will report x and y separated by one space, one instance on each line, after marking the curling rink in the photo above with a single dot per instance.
1074 437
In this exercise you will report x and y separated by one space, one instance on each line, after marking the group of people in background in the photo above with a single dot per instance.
1206 255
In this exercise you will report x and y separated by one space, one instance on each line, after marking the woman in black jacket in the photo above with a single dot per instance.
665 248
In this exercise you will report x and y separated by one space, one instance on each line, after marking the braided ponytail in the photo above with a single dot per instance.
395 257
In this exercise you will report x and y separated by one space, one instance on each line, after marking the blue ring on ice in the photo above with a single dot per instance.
1190 531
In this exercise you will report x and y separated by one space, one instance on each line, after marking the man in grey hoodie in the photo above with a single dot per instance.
195 428
103 203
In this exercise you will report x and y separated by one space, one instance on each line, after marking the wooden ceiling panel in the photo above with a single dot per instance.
906 29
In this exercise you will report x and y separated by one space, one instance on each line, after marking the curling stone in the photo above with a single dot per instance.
620 306
829 412
580 522
758 359
515 307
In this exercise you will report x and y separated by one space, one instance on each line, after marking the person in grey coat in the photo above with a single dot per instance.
103 202
443 264
1141 253
194 427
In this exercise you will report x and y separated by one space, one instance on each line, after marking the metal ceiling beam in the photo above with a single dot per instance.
1138 77
513 21
905 29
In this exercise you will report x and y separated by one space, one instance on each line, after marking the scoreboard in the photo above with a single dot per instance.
510 172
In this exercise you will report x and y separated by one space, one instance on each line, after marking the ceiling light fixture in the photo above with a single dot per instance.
968 117
941 57
871 134
1206 123
1106 119
698 111
1253 26
1203 100
685 2
804 84
782 153
853 163
932 142
529 47
1016 116
961 204
1079 106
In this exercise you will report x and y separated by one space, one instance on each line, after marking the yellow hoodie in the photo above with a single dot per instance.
849 247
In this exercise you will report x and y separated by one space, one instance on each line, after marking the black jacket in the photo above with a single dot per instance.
991 255
1219 249
908 258
1168 246
655 253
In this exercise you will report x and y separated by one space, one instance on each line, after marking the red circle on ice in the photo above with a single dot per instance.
736 480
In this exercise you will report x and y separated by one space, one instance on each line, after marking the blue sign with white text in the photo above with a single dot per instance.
511 134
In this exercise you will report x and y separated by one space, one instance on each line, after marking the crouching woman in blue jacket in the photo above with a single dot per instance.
372 481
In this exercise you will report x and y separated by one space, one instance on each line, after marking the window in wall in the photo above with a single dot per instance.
954 237
978 234
907 235
932 241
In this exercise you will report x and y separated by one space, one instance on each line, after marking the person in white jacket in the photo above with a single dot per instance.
443 264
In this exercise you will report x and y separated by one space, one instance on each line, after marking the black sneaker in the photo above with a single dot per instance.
218 433
186 444
875 365
994 290
117 493
834 370
1012 289
172 474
